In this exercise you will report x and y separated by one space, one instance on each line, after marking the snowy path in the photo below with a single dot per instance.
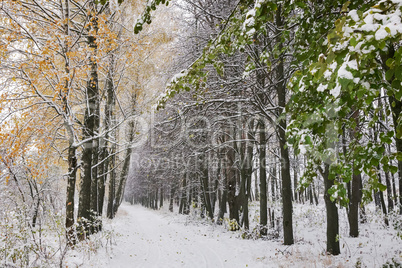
146 238
150 240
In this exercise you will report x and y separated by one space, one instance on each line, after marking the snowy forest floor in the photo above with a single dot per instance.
140 237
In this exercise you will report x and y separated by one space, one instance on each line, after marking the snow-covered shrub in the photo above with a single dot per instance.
393 263
14 240
396 221
253 234
232 225
32 232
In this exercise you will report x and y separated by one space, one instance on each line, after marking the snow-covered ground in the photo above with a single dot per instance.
139 237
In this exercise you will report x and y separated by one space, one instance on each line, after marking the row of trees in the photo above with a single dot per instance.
277 95
72 81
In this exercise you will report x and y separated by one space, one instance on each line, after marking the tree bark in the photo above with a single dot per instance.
232 184
125 170
273 183
183 197
281 129
332 216
353 216
172 192
85 216
263 182
295 182
389 192
72 171
112 184
108 124
161 197
205 188
222 204
382 202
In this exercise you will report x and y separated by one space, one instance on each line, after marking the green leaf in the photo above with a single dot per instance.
396 84
307 139
211 56
360 93
301 4
353 41
382 187
339 24
381 45
344 82
393 169
345 6
390 62
375 162
398 73
389 74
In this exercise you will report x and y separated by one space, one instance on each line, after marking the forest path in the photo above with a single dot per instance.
147 238
150 239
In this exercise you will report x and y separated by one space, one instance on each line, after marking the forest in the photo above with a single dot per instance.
237 115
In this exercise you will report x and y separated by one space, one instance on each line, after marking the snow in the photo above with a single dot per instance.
336 91
381 34
353 15
343 73
322 87
327 74
366 85
153 239
352 64
146 238
313 71
250 19
178 76
303 149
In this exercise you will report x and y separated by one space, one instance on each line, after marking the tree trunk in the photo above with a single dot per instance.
332 216
315 194
222 207
310 194
112 184
257 191
124 170
232 184
161 197
183 197
394 190
85 217
281 129
97 222
102 169
214 194
246 169
155 199
72 158
353 216
263 182
111 196
172 191
295 182
273 180
108 124
205 189
389 192
382 202
399 149
396 108
72 171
